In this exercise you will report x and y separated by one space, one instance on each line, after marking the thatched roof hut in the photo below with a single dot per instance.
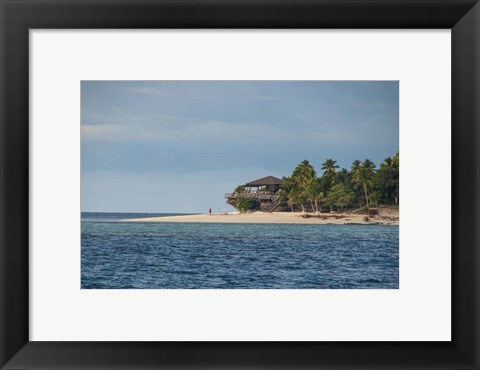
271 183
265 181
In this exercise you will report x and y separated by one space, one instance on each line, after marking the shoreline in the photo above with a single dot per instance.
278 218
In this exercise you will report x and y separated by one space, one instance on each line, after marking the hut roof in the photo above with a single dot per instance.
264 181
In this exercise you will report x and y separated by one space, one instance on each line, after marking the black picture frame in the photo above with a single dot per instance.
18 16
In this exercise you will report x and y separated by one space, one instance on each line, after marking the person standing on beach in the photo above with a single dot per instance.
210 211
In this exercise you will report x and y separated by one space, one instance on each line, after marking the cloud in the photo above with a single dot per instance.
162 191
148 91
175 130
100 132
267 98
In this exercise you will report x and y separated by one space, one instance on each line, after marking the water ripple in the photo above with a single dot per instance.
225 256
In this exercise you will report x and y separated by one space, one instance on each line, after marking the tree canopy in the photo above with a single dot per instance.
363 185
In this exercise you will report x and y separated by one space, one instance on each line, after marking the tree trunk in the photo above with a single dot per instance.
303 208
366 195
316 206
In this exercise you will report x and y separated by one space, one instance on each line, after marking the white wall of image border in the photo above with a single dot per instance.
418 311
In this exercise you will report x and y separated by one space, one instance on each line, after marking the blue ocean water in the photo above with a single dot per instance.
127 255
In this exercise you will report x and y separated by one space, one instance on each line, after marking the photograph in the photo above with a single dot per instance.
205 185
278 184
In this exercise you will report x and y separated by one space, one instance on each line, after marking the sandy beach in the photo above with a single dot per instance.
279 218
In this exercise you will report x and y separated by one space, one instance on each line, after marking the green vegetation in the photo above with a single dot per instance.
364 186
239 189
340 197
246 204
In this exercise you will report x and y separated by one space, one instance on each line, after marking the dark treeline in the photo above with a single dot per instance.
364 185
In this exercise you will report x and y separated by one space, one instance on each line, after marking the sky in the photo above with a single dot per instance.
179 146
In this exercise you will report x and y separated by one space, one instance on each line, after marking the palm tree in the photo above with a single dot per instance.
285 189
389 172
295 198
343 176
396 168
303 173
387 163
375 198
314 193
301 176
356 165
363 176
367 163
329 166
396 160
343 172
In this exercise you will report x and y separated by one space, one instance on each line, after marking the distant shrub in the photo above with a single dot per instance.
245 204
239 189
365 208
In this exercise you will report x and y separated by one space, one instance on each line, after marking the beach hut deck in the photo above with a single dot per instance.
263 195
263 191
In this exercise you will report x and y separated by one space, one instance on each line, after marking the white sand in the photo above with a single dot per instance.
273 218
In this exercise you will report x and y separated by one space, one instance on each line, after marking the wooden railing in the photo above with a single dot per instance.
251 194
